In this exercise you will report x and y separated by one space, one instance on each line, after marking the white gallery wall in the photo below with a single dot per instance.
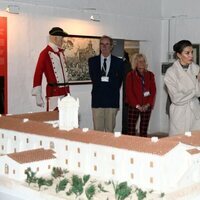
28 35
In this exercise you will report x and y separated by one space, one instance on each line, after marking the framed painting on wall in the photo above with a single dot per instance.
77 51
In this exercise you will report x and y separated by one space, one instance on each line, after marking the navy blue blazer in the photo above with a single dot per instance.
106 94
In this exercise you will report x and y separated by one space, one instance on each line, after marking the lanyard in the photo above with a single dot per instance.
142 80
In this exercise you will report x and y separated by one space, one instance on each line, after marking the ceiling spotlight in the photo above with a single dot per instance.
95 17
13 9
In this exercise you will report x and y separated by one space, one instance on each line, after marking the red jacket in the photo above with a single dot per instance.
52 64
135 89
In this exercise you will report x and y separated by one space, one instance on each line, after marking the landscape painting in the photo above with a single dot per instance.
77 51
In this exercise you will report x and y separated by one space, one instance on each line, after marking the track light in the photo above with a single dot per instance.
13 9
95 17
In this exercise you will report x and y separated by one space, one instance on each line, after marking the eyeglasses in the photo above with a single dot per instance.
105 44
141 61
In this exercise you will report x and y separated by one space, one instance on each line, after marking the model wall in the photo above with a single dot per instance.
104 162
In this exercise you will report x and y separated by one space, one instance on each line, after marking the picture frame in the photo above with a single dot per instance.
78 49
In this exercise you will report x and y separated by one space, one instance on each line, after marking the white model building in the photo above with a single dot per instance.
163 165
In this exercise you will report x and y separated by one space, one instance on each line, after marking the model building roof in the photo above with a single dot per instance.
133 143
194 151
32 155
38 116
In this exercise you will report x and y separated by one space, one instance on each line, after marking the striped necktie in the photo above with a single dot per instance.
103 70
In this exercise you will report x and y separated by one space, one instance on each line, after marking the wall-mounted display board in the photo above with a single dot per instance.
3 65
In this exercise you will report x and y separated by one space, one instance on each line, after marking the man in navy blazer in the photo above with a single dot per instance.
106 73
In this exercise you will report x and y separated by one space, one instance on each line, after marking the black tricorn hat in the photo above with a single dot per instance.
57 31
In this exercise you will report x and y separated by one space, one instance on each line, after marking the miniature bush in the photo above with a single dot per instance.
42 181
122 190
31 178
90 192
141 194
61 185
58 172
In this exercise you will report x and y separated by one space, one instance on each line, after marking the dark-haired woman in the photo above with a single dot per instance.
183 84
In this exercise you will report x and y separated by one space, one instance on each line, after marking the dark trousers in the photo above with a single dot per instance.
124 119
133 116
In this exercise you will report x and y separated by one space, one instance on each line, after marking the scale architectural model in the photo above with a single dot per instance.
41 141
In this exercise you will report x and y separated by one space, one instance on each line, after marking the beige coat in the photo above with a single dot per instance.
184 90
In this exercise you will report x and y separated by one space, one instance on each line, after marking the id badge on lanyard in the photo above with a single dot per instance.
146 93
104 79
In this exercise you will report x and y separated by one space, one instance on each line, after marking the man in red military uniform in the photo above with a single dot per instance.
52 64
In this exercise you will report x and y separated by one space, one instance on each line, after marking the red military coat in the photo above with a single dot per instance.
52 64
135 89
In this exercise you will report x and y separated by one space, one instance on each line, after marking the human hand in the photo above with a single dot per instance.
145 107
39 100
139 108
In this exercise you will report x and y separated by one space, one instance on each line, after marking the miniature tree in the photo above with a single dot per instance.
77 186
101 188
31 178
85 179
90 192
122 190
61 185
141 194
41 181
162 194
58 172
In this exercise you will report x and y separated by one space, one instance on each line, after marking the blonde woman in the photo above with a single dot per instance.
140 95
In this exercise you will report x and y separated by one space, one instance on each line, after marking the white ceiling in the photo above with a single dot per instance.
120 7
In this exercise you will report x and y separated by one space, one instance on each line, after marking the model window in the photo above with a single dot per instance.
79 164
78 150
15 138
51 145
95 154
113 172
132 161
113 157
132 176
40 142
27 140
95 168
2 135
66 147
151 164
6 169
66 161
151 179
2 147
